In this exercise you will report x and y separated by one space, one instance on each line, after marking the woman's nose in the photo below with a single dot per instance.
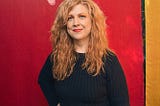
76 22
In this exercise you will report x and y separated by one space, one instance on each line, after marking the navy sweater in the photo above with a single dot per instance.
82 89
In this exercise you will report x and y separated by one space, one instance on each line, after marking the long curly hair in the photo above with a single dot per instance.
63 54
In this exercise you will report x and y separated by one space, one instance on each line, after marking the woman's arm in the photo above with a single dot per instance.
46 83
116 84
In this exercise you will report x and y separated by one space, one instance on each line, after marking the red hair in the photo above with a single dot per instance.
63 54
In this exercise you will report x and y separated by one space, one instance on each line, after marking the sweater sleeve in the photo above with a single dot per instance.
46 82
116 84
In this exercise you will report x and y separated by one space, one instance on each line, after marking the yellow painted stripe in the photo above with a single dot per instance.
152 11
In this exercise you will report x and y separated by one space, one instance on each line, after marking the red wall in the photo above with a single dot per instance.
24 45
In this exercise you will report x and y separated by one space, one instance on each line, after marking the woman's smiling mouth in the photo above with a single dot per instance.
77 30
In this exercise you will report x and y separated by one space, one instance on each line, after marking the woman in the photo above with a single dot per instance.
81 70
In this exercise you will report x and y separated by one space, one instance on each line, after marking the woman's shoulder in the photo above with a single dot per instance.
110 59
49 59
110 55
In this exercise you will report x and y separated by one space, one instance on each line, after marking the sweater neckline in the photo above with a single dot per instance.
80 55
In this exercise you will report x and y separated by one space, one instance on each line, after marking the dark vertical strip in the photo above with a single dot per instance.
144 45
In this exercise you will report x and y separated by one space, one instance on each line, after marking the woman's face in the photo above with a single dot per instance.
79 23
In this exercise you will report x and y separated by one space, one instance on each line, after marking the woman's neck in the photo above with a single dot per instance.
81 47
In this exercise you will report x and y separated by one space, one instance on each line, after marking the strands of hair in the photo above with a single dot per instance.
63 54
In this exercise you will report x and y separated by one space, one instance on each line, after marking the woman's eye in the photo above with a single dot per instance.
82 16
70 18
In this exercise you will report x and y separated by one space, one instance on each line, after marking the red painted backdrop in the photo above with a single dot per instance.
24 45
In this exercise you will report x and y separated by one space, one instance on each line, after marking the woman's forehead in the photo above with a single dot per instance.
77 9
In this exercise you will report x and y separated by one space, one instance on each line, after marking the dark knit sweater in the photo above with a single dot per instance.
82 89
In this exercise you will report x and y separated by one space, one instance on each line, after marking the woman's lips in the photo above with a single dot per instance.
77 30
